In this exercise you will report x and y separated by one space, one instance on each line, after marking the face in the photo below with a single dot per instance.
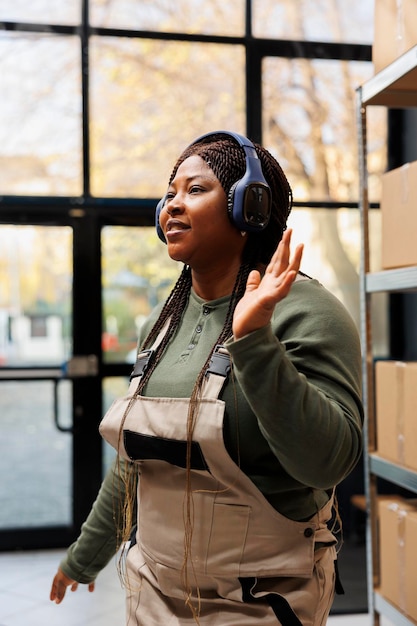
195 221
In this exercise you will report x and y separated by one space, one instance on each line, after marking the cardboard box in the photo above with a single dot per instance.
398 566
410 416
411 564
399 216
395 30
396 411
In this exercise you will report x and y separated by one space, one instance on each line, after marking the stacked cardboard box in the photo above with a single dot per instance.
399 216
398 545
396 411
395 30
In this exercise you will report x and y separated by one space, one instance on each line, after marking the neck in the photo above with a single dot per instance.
214 285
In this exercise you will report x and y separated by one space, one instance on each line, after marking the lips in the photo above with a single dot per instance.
174 226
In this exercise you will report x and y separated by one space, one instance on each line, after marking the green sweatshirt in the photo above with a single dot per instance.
293 415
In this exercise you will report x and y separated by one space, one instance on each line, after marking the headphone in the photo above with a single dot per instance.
250 200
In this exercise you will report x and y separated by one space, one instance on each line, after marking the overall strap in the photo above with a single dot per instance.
217 373
144 357
277 602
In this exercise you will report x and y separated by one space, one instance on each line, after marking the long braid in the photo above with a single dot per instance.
173 309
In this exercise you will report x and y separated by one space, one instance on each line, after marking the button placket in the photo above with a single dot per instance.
205 311
199 328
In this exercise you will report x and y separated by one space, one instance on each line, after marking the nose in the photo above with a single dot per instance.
174 205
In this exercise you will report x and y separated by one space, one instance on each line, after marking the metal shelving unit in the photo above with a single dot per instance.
396 87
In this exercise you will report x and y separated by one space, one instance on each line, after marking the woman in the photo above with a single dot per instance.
243 414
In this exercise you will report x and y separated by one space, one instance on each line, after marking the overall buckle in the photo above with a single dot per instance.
142 363
219 362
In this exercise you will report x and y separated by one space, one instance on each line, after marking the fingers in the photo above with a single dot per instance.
58 590
59 586
296 260
281 262
253 281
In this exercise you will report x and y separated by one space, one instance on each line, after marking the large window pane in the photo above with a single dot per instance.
35 295
332 249
137 274
40 112
310 124
349 21
149 100
41 11
210 18
331 241
35 458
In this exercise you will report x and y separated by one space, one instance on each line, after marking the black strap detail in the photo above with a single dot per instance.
338 582
219 363
278 603
142 363
140 447
133 536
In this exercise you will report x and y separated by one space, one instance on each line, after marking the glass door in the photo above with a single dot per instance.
35 395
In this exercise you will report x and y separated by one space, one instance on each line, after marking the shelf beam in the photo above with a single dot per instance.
395 85
401 279
394 473
394 615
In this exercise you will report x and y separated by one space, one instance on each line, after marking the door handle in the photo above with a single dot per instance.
62 429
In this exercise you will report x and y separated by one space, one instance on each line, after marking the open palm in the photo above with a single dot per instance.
255 308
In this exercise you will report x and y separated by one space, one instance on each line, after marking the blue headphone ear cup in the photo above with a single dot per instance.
249 203
158 210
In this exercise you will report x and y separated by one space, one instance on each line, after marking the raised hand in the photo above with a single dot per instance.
262 293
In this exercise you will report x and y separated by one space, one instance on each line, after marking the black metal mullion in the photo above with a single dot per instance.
289 48
87 312
253 93
87 390
85 86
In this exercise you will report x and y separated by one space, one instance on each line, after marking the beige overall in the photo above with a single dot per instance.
251 565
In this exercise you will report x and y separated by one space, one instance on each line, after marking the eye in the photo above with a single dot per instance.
196 189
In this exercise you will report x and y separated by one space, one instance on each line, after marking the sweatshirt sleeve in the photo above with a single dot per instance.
97 542
301 375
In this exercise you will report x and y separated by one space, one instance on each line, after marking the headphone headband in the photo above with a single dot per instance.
249 202
240 139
